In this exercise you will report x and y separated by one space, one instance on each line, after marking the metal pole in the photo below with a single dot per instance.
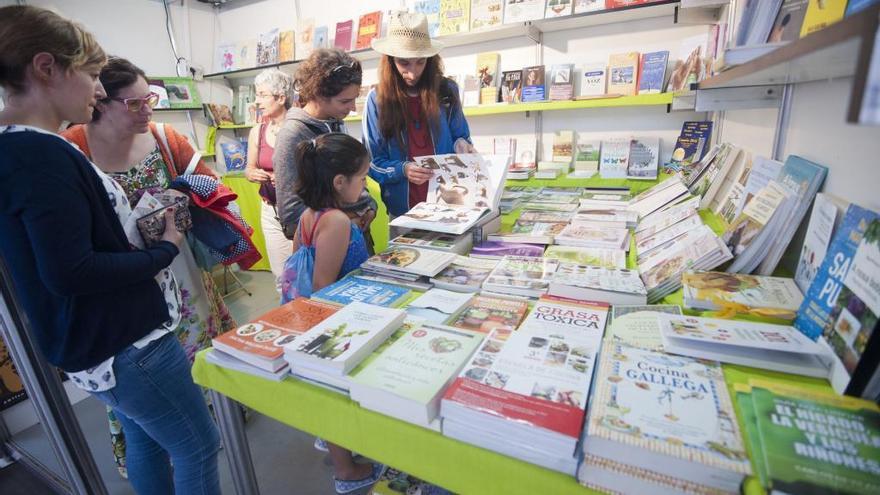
782 119
44 388
238 453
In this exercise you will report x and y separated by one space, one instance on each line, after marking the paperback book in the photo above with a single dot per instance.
532 83
644 159
498 250
623 73
465 274
732 294
594 236
458 244
431 9
562 80
454 16
521 276
409 259
691 145
691 436
558 8
759 345
511 85
605 258
653 72
356 289
522 11
586 159
593 283
485 314
369 26
267 48
342 40
486 13
286 46
819 231
638 325
305 38
487 74
593 80
614 159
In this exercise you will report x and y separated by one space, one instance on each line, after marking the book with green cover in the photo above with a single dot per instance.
408 378
815 442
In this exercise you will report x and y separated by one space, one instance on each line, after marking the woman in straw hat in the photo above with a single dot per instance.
414 111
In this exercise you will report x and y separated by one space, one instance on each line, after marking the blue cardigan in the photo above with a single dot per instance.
87 294
389 155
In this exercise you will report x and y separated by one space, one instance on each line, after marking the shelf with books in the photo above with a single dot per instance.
663 8
836 51
660 99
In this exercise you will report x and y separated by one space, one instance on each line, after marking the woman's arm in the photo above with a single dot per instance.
251 171
59 228
331 244
384 169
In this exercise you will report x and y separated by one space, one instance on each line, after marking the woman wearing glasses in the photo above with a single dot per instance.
414 111
274 98
123 142
99 309
328 83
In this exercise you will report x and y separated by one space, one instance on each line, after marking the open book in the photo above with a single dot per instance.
463 189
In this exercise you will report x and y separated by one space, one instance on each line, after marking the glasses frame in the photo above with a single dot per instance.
141 100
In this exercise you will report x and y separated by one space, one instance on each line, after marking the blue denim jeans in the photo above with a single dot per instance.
165 420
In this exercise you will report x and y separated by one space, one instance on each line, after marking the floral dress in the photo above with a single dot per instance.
203 314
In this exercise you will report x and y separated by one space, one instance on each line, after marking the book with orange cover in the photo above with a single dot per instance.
261 342
369 26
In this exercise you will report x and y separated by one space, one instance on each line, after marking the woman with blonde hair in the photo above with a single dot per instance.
100 310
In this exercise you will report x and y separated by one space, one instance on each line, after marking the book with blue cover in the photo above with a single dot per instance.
814 315
653 67
691 145
533 84
234 154
351 289
431 9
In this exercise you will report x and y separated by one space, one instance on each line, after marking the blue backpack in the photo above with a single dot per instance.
296 278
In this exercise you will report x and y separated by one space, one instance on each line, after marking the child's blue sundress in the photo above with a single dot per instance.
296 279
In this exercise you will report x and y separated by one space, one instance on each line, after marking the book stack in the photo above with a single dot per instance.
258 347
524 394
669 191
521 276
530 232
661 424
331 349
458 244
759 345
359 289
594 235
807 441
731 294
639 325
690 146
438 305
407 379
406 264
592 283
464 274
496 250
607 258
697 249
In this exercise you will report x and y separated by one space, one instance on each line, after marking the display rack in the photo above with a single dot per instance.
530 30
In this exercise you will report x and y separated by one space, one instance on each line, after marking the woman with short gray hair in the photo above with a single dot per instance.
274 98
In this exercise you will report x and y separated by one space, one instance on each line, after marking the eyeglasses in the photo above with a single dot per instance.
346 73
134 105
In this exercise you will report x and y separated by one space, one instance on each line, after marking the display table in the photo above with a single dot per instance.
426 454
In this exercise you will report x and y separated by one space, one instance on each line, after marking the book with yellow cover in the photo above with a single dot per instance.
487 73
455 16
368 28
286 46
821 14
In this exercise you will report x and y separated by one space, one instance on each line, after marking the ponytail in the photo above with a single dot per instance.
319 161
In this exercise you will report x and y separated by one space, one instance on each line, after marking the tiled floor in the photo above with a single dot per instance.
285 459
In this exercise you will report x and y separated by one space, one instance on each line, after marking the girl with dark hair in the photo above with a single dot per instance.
327 84
100 310
331 172
414 111
124 143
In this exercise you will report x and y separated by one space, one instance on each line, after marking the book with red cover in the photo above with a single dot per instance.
261 342
369 26
343 35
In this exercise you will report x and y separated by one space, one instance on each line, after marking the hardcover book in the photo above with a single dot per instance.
483 314
691 433
814 316
653 72
343 35
286 46
623 73
407 380
182 93
561 81
815 442
593 79
369 26
447 218
465 274
356 289
234 152
486 13
337 344
533 83
267 48
732 293
454 16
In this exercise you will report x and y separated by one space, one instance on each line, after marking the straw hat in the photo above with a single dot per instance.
407 37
